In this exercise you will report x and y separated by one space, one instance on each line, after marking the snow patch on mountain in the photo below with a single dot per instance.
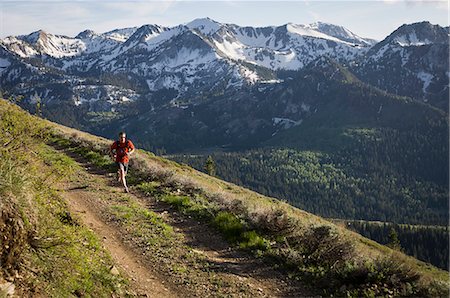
4 64
410 39
426 78
19 47
59 46
157 38
167 81
271 82
231 48
250 75
305 30
109 94
305 107
341 33
286 123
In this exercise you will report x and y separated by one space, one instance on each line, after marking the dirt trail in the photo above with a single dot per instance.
145 278
144 282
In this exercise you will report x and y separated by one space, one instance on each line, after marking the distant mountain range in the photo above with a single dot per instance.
206 83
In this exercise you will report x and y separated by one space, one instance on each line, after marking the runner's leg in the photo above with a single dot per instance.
123 168
119 179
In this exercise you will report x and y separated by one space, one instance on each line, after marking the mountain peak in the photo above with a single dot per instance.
144 32
33 37
206 26
86 34
417 34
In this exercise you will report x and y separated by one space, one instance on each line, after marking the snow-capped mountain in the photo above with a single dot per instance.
202 55
193 63
411 61
289 46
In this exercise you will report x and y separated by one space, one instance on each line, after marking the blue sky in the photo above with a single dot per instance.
373 19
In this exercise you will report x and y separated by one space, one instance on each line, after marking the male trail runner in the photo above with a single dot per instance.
120 150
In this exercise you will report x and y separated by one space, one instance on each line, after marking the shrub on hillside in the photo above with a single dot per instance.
275 221
13 236
322 246
229 225
151 172
228 202
385 276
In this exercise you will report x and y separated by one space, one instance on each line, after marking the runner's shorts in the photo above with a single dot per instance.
123 166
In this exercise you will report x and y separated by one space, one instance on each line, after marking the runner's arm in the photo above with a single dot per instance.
112 150
131 147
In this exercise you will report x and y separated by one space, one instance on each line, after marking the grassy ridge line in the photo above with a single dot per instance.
251 204
44 251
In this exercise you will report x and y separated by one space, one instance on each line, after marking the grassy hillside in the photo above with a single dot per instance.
43 250
331 259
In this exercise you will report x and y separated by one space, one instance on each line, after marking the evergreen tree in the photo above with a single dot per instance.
210 166
394 243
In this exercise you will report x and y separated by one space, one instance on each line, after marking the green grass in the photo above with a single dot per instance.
61 165
252 241
146 222
149 188
231 226
58 256
227 223
70 258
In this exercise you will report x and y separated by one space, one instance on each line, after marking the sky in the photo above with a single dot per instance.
370 19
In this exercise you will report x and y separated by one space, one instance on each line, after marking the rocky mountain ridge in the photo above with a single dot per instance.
155 74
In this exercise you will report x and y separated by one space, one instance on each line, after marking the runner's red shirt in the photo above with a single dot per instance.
122 149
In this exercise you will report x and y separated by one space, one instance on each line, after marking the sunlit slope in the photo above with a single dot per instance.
331 258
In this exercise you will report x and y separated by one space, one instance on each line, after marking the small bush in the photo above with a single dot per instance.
229 202
229 225
384 276
14 236
188 185
180 202
150 172
252 241
322 246
66 218
274 221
